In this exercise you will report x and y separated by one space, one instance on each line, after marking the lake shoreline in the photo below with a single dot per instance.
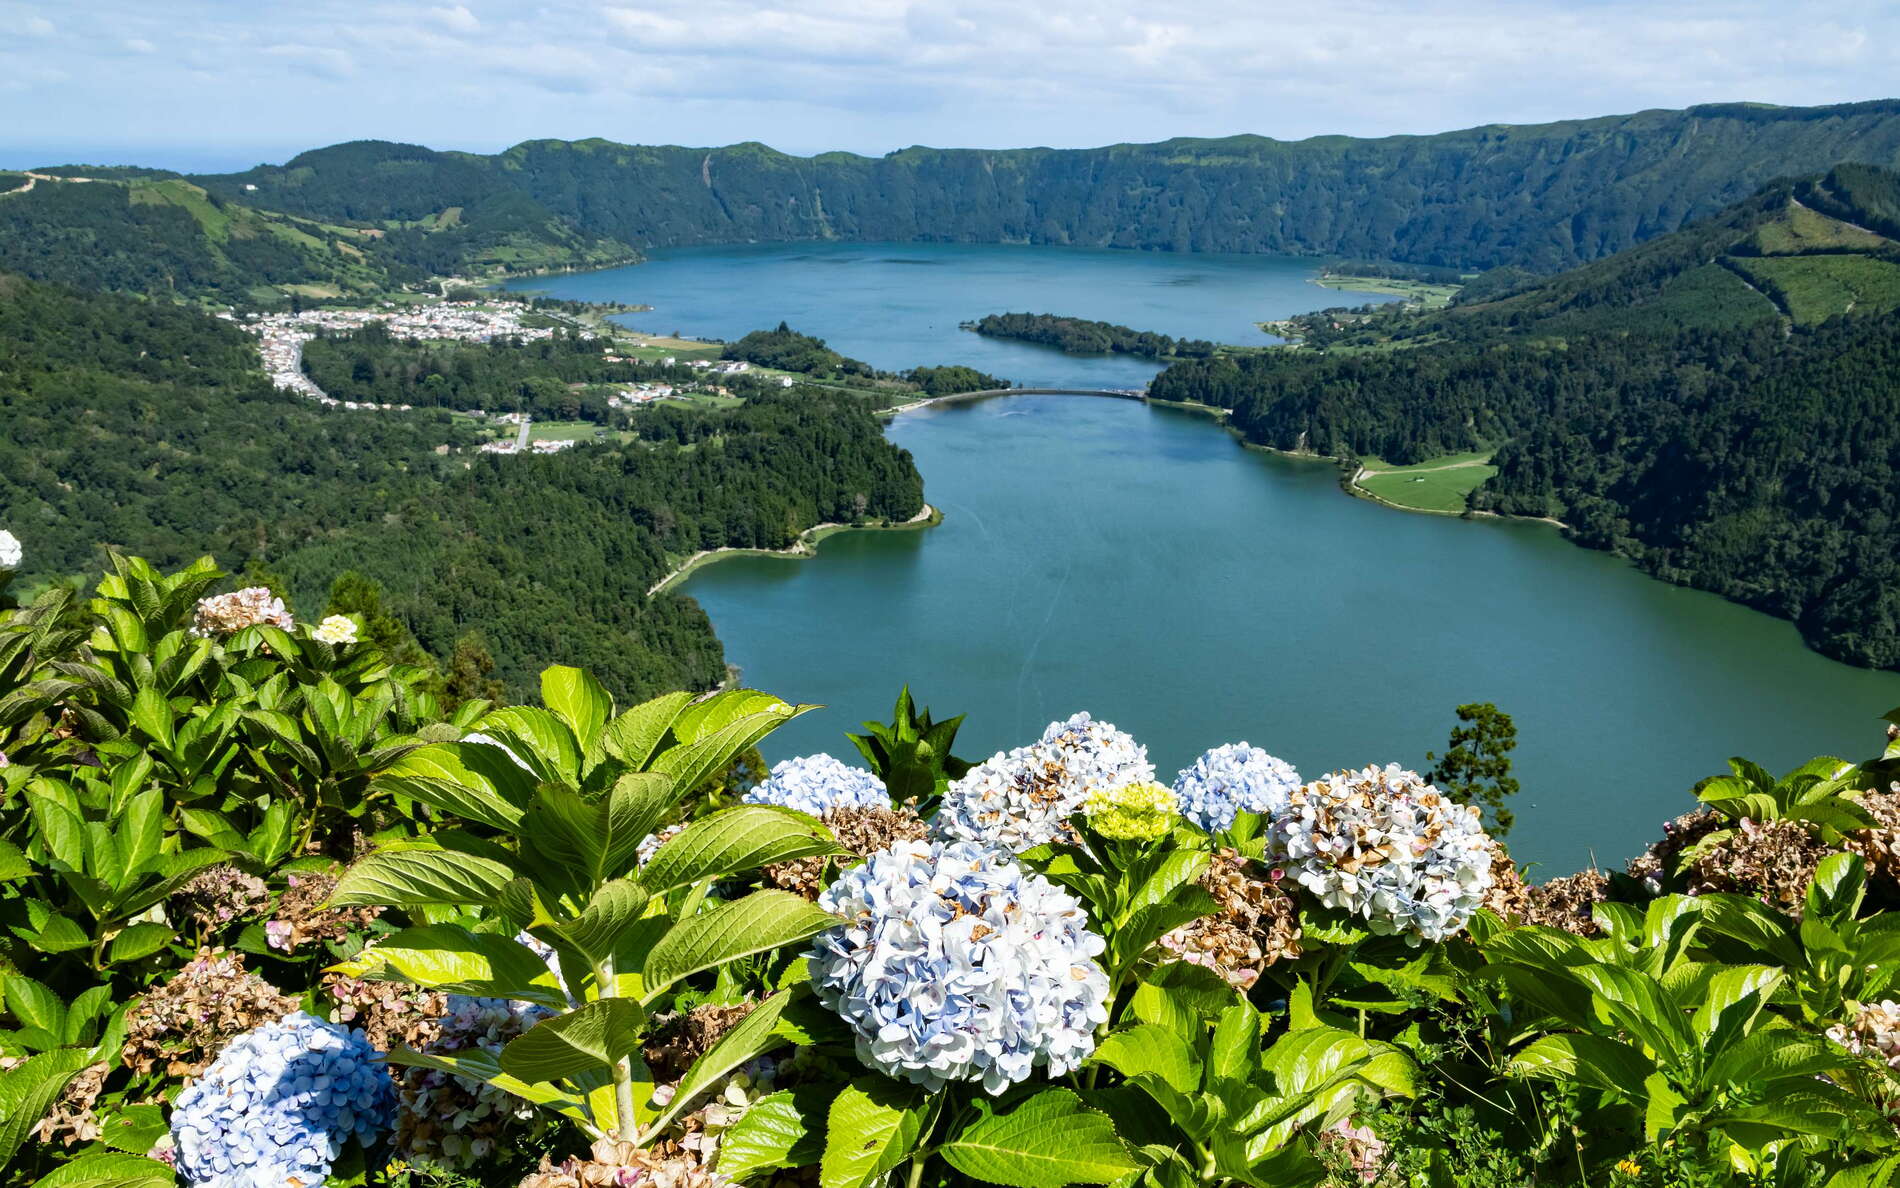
804 547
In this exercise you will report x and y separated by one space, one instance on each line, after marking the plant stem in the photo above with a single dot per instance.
917 1162
625 1127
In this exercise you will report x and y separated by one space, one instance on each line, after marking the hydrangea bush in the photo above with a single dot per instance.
567 948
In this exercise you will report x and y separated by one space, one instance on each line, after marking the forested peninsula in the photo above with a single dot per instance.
1083 336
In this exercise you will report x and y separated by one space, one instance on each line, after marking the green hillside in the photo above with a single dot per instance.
1543 197
1721 405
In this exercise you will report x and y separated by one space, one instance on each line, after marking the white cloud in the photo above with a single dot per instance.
457 19
871 75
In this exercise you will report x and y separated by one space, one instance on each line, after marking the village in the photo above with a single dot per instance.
281 338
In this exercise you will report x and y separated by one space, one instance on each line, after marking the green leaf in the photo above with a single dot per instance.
693 763
34 1005
1151 1049
761 921
1592 1059
538 739
1235 1048
633 737
1734 998
410 878
451 958
478 1065
741 838
614 908
636 805
578 700
13 864
873 1126
585 1040
472 781
1047 1141
152 714
1839 884
110 1170
783 1129
754 1035
140 940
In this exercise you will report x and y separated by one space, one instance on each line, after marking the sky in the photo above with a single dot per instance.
223 84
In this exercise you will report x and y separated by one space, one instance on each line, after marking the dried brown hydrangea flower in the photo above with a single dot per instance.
1773 861
862 832
182 1025
612 1164
679 1039
1256 925
302 917
1565 903
71 1120
1654 866
1879 846
1508 897
219 895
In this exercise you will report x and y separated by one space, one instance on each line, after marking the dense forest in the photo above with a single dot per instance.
1081 336
787 350
147 426
1718 435
1541 196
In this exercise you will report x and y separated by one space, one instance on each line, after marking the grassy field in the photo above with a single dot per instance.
1439 485
1815 288
1427 296
562 431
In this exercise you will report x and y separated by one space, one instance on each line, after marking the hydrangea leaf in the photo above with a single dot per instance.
614 907
140 940
744 837
538 740
1048 1141
468 780
408 878
580 701
873 1126
693 762
1151 1049
476 1064
450 958
634 736
587 1039
110 1170
783 1129
762 920
1593 1060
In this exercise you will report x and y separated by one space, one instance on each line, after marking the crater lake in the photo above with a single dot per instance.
1137 562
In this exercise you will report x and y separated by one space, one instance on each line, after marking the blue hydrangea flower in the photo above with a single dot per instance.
1022 798
959 965
1232 779
277 1105
817 784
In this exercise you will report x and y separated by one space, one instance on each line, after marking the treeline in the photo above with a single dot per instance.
148 427
1396 270
1082 336
1543 197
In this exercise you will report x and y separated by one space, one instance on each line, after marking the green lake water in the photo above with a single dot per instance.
1137 562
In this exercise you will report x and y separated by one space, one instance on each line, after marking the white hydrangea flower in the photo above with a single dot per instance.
1232 779
1023 798
11 554
1386 846
957 964
817 784
337 629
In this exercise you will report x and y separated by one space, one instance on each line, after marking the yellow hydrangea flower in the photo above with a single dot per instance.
1132 812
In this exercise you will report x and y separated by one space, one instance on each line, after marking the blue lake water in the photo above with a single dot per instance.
1137 562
